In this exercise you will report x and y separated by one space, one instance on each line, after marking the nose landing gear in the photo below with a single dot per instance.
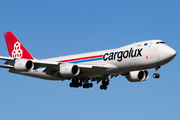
156 75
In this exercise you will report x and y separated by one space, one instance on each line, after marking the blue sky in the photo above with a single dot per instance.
64 27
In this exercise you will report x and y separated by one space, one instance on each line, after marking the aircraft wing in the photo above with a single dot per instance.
7 67
6 58
37 63
41 63
51 66
85 69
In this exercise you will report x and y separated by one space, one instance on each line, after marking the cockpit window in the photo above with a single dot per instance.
160 43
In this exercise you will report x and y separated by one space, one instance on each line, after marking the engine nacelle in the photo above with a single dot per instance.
23 65
69 70
138 76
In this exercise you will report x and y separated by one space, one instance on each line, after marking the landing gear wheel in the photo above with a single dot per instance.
90 85
87 85
84 85
103 87
75 83
156 75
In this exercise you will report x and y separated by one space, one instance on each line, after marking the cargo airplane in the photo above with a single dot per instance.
131 61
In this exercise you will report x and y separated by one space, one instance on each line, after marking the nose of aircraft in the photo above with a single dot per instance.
167 53
172 52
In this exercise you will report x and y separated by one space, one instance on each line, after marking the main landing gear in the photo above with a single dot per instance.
156 75
87 85
78 83
104 85
75 83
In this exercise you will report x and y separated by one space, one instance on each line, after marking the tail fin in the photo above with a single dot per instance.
15 47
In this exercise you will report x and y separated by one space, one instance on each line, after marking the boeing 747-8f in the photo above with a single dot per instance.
131 61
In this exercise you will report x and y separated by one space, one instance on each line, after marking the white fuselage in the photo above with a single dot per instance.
137 56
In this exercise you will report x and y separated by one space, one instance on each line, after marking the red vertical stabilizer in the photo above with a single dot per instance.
15 47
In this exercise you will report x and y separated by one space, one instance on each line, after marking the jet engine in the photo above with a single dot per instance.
69 70
23 65
137 76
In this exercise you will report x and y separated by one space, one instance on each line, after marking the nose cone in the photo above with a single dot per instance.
166 53
172 53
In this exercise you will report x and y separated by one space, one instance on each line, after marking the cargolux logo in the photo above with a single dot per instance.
120 55
17 52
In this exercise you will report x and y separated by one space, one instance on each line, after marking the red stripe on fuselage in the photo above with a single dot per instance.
83 58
